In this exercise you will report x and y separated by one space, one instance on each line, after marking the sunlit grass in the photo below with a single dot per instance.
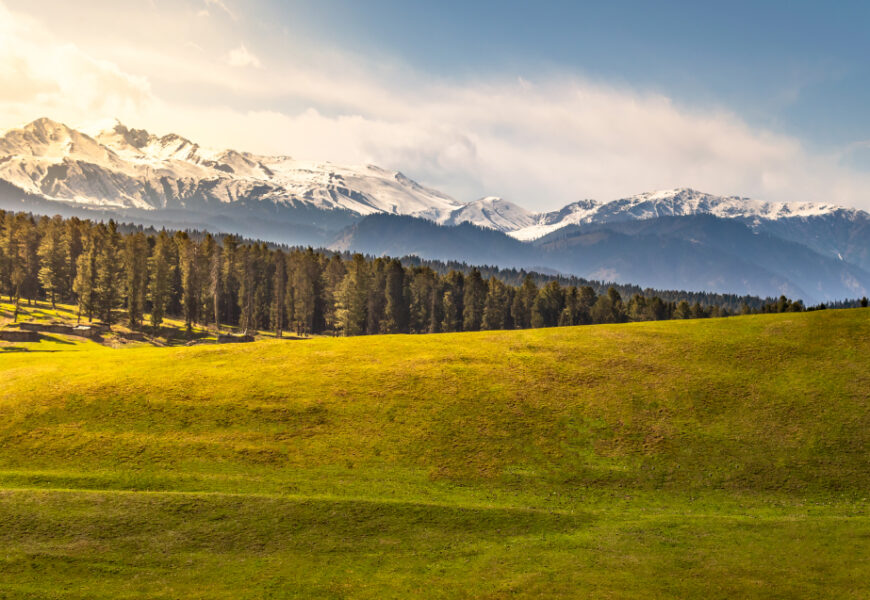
716 458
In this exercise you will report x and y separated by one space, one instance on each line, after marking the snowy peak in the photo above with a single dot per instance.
47 139
686 201
116 166
131 168
675 203
492 212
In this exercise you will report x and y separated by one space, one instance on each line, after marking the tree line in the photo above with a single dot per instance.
109 274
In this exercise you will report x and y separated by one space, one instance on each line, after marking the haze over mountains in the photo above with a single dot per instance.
676 239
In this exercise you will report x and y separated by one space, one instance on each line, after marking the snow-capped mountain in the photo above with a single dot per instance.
678 237
493 213
132 169
124 169
672 203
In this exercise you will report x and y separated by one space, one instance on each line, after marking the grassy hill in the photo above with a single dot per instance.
722 458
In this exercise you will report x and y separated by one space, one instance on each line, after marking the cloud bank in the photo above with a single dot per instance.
540 142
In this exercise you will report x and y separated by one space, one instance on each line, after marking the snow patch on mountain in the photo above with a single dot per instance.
493 213
132 168
675 202
117 167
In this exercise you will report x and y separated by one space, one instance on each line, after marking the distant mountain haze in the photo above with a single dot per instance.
674 239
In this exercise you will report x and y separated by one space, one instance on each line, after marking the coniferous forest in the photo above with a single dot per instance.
112 275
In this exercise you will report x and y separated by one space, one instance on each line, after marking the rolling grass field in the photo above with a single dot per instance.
720 458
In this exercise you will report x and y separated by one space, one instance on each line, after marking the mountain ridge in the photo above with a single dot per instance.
176 161
169 180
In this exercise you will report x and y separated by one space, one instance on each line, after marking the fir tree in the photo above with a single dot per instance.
473 301
279 287
136 267
496 308
161 278
86 277
107 285
396 292
352 297
53 251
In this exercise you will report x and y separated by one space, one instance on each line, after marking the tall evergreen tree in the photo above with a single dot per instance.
524 298
229 278
136 267
161 278
85 282
73 229
548 305
397 291
279 287
27 275
216 283
108 283
307 288
333 275
352 298
473 301
496 309
187 262
53 251
376 304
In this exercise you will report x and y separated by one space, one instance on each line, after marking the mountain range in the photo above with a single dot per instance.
674 239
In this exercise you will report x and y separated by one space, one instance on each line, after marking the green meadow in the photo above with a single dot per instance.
711 458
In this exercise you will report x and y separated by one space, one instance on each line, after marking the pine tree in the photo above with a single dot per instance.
376 304
521 308
683 310
586 298
279 287
473 301
136 268
15 250
205 292
86 277
397 292
496 308
53 251
333 274
306 287
187 262
161 278
548 305
247 286
422 287
571 312
74 245
107 287
229 278
216 284
4 258
352 297
28 263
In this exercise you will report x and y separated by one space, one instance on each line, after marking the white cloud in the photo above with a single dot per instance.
36 73
222 6
539 141
242 57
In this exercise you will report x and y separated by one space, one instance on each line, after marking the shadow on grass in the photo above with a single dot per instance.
56 340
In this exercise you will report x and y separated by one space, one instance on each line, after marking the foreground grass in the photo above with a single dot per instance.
719 458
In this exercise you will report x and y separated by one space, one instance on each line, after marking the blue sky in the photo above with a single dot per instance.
541 103
797 66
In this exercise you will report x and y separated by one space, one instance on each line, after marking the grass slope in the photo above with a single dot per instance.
715 458
172 332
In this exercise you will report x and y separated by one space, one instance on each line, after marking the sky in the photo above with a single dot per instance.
541 103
